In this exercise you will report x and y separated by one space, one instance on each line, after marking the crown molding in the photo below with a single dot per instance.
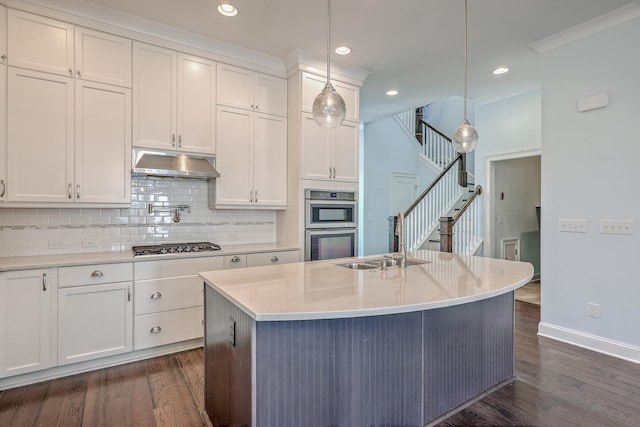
300 60
507 93
601 23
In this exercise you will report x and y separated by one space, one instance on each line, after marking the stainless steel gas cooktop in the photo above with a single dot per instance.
174 248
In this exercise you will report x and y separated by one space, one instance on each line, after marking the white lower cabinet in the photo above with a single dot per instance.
25 323
169 301
94 320
272 258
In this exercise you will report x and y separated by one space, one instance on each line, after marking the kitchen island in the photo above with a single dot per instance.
319 344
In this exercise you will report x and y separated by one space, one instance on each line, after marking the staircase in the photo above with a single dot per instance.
446 215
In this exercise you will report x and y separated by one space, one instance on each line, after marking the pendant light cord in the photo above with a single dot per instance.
329 41
465 60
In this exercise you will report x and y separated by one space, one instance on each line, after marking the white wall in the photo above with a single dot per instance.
386 149
589 171
26 232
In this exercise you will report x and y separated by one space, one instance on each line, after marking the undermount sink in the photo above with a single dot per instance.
383 263
357 265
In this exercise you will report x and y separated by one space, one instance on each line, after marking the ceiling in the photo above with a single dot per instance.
413 46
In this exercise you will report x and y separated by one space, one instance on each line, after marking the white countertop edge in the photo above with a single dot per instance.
113 257
378 311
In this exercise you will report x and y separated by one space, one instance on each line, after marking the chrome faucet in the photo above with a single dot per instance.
402 245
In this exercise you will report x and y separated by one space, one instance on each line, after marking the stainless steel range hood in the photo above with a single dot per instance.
166 164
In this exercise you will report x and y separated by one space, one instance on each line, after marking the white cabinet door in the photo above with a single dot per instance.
25 334
272 258
154 96
312 85
40 43
102 143
3 103
102 57
234 137
345 152
196 104
270 160
270 95
235 87
316 155
40 168
94 321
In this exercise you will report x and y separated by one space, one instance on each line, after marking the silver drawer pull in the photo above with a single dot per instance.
156 295
235 259
97 273
274 259
155 330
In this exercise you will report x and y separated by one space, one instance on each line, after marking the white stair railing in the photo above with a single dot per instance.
422 217
408 120
437 147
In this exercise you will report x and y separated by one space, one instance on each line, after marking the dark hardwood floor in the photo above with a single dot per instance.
556 385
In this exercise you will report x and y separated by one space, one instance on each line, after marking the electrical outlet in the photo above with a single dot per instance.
500 219
89 243
573 225
593 310
611 226
56 244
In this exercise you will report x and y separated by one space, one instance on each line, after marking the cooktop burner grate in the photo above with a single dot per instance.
175 248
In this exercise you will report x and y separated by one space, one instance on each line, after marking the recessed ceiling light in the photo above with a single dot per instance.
343 50
500 70
392 92
227 9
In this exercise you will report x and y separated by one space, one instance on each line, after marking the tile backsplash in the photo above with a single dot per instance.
26 232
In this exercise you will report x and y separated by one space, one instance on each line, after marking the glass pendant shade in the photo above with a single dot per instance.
329 109
465 138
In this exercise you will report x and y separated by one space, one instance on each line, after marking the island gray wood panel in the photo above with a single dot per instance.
340 372
391 370
468 349
227 367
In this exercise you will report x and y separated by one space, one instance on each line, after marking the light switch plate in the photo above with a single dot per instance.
573 225
616 226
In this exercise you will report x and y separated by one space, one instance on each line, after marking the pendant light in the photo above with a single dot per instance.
328 108
465 138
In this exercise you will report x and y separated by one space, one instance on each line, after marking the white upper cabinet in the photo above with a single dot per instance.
329 154
40 43
241 88
40 166
102 57
3 35
52 46
312 85
102 143
80 151
251 159
173 100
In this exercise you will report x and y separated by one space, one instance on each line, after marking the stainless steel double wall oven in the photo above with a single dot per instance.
331 220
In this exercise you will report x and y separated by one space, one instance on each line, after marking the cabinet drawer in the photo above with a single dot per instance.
176 267
151 330
94 274
272 258
235 261
156 295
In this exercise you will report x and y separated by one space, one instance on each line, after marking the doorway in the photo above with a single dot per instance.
404 190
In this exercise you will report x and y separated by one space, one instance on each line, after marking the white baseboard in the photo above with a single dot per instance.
606 346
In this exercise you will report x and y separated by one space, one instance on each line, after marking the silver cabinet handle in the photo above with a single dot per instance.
70 190
173 139
330 171
97 273
155 330
4 187
275 259
128 293
79 74
44 282
251 196
179 140
256 196
70 72
156 295
78 191
334 173
235 259
3 57
257 107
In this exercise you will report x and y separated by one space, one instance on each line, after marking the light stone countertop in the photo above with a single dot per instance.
323 290
65 260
